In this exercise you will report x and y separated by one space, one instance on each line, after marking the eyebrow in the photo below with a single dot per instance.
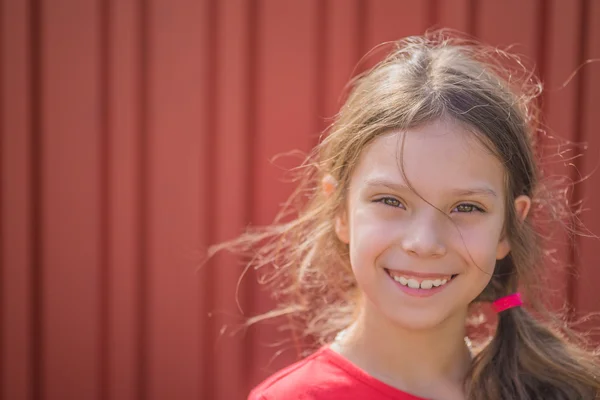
399 187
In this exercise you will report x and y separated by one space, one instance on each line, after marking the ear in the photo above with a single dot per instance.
328 185
342 229
522 207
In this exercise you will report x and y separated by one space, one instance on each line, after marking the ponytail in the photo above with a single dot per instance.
526 360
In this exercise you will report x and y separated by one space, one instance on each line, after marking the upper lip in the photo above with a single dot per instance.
423 275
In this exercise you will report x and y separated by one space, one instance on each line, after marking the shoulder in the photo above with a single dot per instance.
313 378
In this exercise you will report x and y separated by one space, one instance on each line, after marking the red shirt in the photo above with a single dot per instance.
325 375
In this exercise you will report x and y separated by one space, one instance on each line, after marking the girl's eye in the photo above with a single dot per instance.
467 208
390 201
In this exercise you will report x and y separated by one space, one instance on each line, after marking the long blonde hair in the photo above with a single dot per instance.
423 79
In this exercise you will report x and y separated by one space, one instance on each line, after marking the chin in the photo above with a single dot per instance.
417 319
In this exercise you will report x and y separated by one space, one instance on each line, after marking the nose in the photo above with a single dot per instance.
423 238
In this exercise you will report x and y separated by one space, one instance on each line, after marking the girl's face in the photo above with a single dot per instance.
420 257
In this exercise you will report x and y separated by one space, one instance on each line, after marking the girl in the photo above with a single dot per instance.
421 203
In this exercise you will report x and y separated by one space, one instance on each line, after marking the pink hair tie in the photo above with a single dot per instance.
510 301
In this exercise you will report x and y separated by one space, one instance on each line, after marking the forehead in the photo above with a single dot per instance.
439 155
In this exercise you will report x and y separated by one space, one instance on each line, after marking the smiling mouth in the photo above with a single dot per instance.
415 282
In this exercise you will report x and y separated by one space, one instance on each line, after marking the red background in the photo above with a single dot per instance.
134 133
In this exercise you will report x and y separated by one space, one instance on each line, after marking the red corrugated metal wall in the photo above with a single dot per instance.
136 132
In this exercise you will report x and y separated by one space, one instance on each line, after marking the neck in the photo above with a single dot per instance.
407 359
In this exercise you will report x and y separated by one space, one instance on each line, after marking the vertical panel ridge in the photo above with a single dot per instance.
558 61
472 11
253 88
578 190
143 190
105 206
208 166
433 14
322 11
36 190
542 33
2 222
361 31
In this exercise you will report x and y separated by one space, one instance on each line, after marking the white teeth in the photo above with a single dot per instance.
413 284
426 284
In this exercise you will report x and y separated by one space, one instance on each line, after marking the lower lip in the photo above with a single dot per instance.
420 292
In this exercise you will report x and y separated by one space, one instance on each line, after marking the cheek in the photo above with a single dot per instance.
478 247
370 235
